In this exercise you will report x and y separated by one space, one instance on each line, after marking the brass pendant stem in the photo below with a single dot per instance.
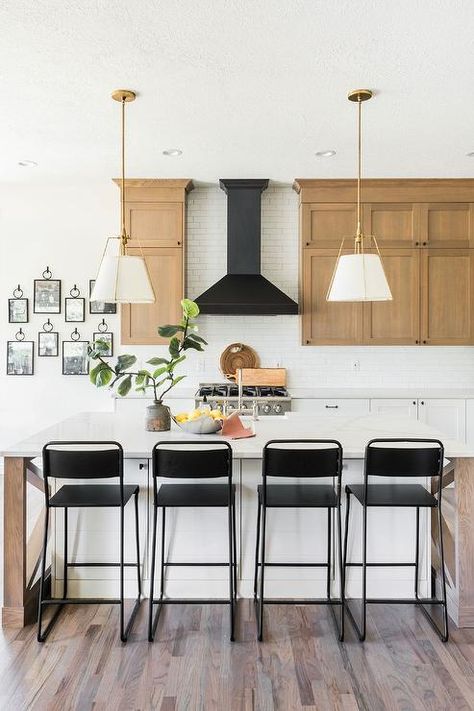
359 172
123 232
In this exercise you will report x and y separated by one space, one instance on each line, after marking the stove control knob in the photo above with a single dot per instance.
266 409
230 406
277 408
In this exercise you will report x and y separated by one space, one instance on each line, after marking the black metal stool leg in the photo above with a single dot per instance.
340 570
42 635
360 630
444 631
262 575
257 548
152 575
122 629
137 540
234 538
417 550
328 576
125 631
162 572
65 566
231 571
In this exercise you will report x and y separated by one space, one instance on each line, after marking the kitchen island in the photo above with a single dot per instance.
292 535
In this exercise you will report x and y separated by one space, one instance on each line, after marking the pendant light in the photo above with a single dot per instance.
359 276
122 278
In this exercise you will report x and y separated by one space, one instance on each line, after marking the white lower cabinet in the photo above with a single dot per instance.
403 407
339 406
447 416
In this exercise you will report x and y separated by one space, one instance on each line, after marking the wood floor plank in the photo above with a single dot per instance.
192 665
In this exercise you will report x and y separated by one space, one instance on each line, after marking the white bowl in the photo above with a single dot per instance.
203 425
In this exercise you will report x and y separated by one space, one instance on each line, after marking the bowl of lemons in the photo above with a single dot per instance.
202 420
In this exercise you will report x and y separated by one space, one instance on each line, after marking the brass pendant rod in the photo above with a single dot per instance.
123 232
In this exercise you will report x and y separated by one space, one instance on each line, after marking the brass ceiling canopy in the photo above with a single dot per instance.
123 95
360 95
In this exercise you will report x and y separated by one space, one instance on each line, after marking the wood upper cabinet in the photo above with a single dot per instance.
161 224
447 301
392 224
325 224
155 219
425 231
323 322
398 321
447 224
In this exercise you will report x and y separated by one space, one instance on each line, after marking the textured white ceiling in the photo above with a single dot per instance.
244 88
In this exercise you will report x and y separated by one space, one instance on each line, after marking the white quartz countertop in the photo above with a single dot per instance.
352 432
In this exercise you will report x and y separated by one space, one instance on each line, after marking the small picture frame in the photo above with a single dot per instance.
20 357
100 307
47 296
48 344
75 358
74 309
108 337
18 310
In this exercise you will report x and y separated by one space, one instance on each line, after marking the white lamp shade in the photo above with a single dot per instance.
359 277
122 279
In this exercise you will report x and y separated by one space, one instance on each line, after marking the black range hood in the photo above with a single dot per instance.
244 290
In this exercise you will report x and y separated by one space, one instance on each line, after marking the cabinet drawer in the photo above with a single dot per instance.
346 406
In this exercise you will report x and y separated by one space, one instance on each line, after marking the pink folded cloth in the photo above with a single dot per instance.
234 429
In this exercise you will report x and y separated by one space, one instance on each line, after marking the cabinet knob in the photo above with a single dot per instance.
417 341
422 402
331 407
424 244
307 244
179 242
414 402
424 341
417 244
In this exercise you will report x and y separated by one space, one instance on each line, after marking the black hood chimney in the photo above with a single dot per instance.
244 290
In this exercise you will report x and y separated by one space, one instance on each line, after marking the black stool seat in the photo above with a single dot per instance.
299 496
393 495
92 495
194 495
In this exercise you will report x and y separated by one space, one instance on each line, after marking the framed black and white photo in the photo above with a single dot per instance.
20 357
75 358
18 310
100 307
47 296
74 309
48 344
106 337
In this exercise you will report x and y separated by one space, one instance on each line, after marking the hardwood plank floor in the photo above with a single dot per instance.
193 667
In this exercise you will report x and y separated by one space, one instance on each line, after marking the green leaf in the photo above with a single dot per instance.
101 346
178 379
190 308
157 361
169 330
124 387
197 338
160 371
142 377
94 373
174 347
188 343
175 362
125 361
104 377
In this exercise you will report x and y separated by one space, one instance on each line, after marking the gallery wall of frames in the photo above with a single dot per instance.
47 318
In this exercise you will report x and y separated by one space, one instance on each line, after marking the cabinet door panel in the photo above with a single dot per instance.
447 416
325 224
399 407
448 224
447 281
396 321
326 322
160 223
392 224
140 321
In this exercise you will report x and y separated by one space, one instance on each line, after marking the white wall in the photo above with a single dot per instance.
65 227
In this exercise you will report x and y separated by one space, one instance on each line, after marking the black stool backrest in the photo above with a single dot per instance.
322 458
207 459
82 460
384 458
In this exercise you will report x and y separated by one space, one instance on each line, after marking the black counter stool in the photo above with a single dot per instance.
402 458
87 460
205 460
309 459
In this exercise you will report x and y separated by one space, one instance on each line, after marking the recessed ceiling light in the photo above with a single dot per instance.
172 152
27 163
325 154
470 154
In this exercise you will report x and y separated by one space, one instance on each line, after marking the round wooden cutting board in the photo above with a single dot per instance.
235 356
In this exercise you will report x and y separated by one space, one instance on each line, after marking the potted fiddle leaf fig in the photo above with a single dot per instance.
161 377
